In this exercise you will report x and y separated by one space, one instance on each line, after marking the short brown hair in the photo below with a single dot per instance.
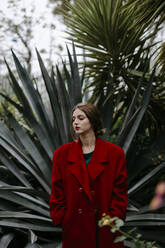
93 115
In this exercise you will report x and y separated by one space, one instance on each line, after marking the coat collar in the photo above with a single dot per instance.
95 167
100 153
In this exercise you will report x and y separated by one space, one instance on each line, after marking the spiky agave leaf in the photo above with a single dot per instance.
137 118
6 239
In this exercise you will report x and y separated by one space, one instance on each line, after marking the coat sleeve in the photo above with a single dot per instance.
57 198
119 198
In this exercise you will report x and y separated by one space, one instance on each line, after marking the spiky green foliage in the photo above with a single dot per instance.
117 36
26 152
161 59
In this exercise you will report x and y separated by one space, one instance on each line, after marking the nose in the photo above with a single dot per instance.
75 121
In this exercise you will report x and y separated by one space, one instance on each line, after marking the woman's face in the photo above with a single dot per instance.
81 123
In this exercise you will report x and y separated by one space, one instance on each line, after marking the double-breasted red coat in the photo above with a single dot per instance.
80 194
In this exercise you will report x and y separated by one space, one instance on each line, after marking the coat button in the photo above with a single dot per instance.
92 192
80 211
80 189
95 210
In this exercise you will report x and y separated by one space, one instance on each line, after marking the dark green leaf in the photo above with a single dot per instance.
142 182
5 240
25 225
35 100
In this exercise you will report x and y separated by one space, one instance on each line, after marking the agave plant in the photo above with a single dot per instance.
26 151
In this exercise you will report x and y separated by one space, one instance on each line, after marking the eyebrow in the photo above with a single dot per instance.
79 115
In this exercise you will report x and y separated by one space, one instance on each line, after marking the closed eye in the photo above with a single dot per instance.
80 117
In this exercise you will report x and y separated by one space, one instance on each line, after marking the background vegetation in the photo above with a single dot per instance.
123 74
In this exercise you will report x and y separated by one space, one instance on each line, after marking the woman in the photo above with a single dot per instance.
89 178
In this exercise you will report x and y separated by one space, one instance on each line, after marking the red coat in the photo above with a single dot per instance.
80 194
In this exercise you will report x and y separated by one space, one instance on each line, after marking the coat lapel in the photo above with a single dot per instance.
95 167
98 161
77 166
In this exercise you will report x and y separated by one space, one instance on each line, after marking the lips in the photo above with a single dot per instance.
77 128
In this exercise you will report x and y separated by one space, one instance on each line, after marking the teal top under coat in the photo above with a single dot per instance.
87 157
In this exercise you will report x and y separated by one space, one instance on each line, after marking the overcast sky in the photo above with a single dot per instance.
41 38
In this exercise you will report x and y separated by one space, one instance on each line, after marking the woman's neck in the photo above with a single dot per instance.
88 142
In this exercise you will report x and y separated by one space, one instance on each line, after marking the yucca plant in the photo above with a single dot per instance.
26 152
115 36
